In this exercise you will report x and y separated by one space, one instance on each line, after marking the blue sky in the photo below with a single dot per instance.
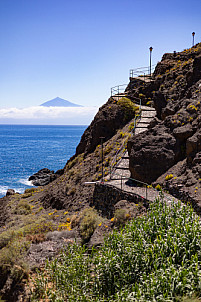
78 50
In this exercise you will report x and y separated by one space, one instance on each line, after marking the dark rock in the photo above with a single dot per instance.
58 235
59 172
107 121
193 144
159 103
10 192
183 132
166 112
155 121
151 153
172 144
43 177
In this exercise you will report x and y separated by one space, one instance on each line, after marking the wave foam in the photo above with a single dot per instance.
26 182
4 189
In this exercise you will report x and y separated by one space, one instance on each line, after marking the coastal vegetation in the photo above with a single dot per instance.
152 249
155 257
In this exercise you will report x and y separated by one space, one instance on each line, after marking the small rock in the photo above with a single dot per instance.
43 177
10 192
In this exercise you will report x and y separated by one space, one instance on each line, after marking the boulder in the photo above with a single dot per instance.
183 132
193 144
10 192
43 177
151 153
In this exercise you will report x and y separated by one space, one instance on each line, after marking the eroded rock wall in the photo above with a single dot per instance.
175 135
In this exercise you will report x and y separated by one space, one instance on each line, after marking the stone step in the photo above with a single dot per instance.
122 168
143 122
149 110
148 116
141 127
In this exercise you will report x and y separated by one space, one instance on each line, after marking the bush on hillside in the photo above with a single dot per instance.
89 222
154 258
128 107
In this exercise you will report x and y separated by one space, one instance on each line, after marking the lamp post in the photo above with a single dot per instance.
193 34
150 48
102 137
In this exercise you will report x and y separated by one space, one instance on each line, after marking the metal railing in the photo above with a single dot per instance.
146 189
142 72
121 151
118 155
120 89
137 118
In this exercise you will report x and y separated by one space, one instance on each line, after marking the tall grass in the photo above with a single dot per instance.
154 258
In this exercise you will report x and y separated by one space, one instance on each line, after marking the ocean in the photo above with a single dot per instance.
25 149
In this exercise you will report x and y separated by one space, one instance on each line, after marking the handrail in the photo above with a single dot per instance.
116 156
144 184
143 72
121 149
118 89
137 117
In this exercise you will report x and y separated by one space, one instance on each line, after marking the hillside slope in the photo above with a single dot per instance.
37 224
169 153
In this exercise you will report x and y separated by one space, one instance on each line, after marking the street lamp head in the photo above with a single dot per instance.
193 34
150 48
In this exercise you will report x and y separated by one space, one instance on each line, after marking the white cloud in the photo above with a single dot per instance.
48 115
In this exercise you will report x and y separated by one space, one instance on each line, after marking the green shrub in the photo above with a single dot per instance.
158 187
23 208
120 217
26 195
154 258
31 190
131 126
128 107
6 237
11 262
89 221
77 159
169 176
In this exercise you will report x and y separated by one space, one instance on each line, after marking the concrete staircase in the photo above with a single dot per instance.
121 169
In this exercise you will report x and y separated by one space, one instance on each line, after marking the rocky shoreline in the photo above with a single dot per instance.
62 209
44 176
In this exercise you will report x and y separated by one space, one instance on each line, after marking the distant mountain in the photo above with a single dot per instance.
58 102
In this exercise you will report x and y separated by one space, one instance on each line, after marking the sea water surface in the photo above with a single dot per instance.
25 149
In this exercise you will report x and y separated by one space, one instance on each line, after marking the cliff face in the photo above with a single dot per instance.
113 115
169 153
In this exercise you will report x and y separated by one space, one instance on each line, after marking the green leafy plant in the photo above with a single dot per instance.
89 221
128 107
23 208
121 216
169 176
156 257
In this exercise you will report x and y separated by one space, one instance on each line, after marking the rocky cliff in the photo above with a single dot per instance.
169 152
37 224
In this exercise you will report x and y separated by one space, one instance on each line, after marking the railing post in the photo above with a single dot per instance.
134 126
146 192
